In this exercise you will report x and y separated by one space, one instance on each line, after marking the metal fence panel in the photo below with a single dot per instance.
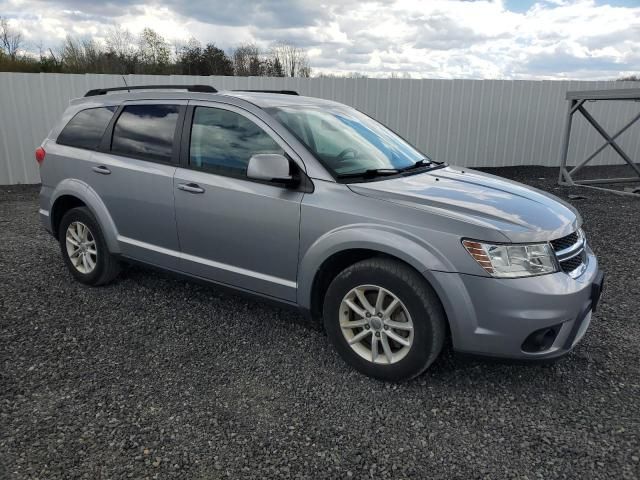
474 123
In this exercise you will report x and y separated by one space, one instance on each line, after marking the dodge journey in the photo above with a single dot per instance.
314 204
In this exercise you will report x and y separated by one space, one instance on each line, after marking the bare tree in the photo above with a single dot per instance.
246 60
10 38
122 51
121 42
179 45
189 58
149 52
82 56
305 69
41 48
273 68
93 56
341 75
294 60
72 55
47 60
404 75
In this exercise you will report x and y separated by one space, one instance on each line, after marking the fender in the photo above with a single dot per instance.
82 191
382 238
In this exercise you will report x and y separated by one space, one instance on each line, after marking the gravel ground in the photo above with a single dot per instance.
159 377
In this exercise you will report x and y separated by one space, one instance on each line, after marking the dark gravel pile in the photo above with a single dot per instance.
158 377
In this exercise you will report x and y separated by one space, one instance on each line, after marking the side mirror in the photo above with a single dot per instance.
270 167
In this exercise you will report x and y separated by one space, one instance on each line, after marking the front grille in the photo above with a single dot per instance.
572 255
565 242
573 263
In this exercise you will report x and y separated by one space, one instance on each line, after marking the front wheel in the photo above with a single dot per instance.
384 319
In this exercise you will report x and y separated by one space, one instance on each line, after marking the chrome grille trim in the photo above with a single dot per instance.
567 256
571 252
568 251
565 242
578 271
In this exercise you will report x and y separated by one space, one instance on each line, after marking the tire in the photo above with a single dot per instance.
418 307
104 266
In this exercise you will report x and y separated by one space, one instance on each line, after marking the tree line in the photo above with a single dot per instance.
149 53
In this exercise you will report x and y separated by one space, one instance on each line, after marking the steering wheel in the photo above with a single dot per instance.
343 154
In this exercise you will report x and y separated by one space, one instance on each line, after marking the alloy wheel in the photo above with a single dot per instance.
376 324
81 247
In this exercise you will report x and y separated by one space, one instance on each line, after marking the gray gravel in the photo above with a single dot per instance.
159 377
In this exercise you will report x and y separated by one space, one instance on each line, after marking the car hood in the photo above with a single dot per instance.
519 212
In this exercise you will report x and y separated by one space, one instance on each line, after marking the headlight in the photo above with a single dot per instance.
509 261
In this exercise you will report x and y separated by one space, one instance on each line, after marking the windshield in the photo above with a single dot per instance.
346 141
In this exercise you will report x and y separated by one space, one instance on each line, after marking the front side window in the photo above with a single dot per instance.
345 140
146 131
224 141
86 128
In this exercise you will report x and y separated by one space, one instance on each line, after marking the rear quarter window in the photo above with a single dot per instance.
86 128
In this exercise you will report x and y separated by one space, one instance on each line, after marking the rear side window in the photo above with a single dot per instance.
86 128
146 131
224 141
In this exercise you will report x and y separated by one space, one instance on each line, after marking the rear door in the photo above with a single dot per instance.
133 174
232 229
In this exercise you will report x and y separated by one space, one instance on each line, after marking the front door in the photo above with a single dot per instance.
231 229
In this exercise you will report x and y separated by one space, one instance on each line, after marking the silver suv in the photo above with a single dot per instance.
316 205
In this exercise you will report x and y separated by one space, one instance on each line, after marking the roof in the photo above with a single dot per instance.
609 94
260 99
266 100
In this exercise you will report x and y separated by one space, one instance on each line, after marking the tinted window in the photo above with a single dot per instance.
85 129
146 131
225 141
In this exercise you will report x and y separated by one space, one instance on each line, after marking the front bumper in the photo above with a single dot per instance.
493 317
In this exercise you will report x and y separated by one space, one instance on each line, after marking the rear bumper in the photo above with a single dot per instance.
493 317
45 205
45 221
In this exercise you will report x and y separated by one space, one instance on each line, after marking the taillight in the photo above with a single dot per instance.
40 153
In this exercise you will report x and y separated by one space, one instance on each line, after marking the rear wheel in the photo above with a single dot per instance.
84 250
384 319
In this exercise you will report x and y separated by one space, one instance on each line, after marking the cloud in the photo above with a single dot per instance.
103 10
266 14
442 32
563 63
439 38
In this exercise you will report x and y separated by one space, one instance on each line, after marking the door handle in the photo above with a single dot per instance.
191 187
102 170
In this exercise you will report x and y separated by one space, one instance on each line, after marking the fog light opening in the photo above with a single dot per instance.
541 340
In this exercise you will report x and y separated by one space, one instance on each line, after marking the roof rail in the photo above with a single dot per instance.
282 92
190 88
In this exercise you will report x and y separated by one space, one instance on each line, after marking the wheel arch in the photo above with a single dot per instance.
337 250
62 205
72 193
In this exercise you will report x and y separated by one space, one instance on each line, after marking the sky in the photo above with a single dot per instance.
510 39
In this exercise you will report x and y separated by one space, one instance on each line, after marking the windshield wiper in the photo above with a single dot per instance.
370 173
419 164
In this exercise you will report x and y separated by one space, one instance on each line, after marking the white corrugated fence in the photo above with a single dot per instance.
474 123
